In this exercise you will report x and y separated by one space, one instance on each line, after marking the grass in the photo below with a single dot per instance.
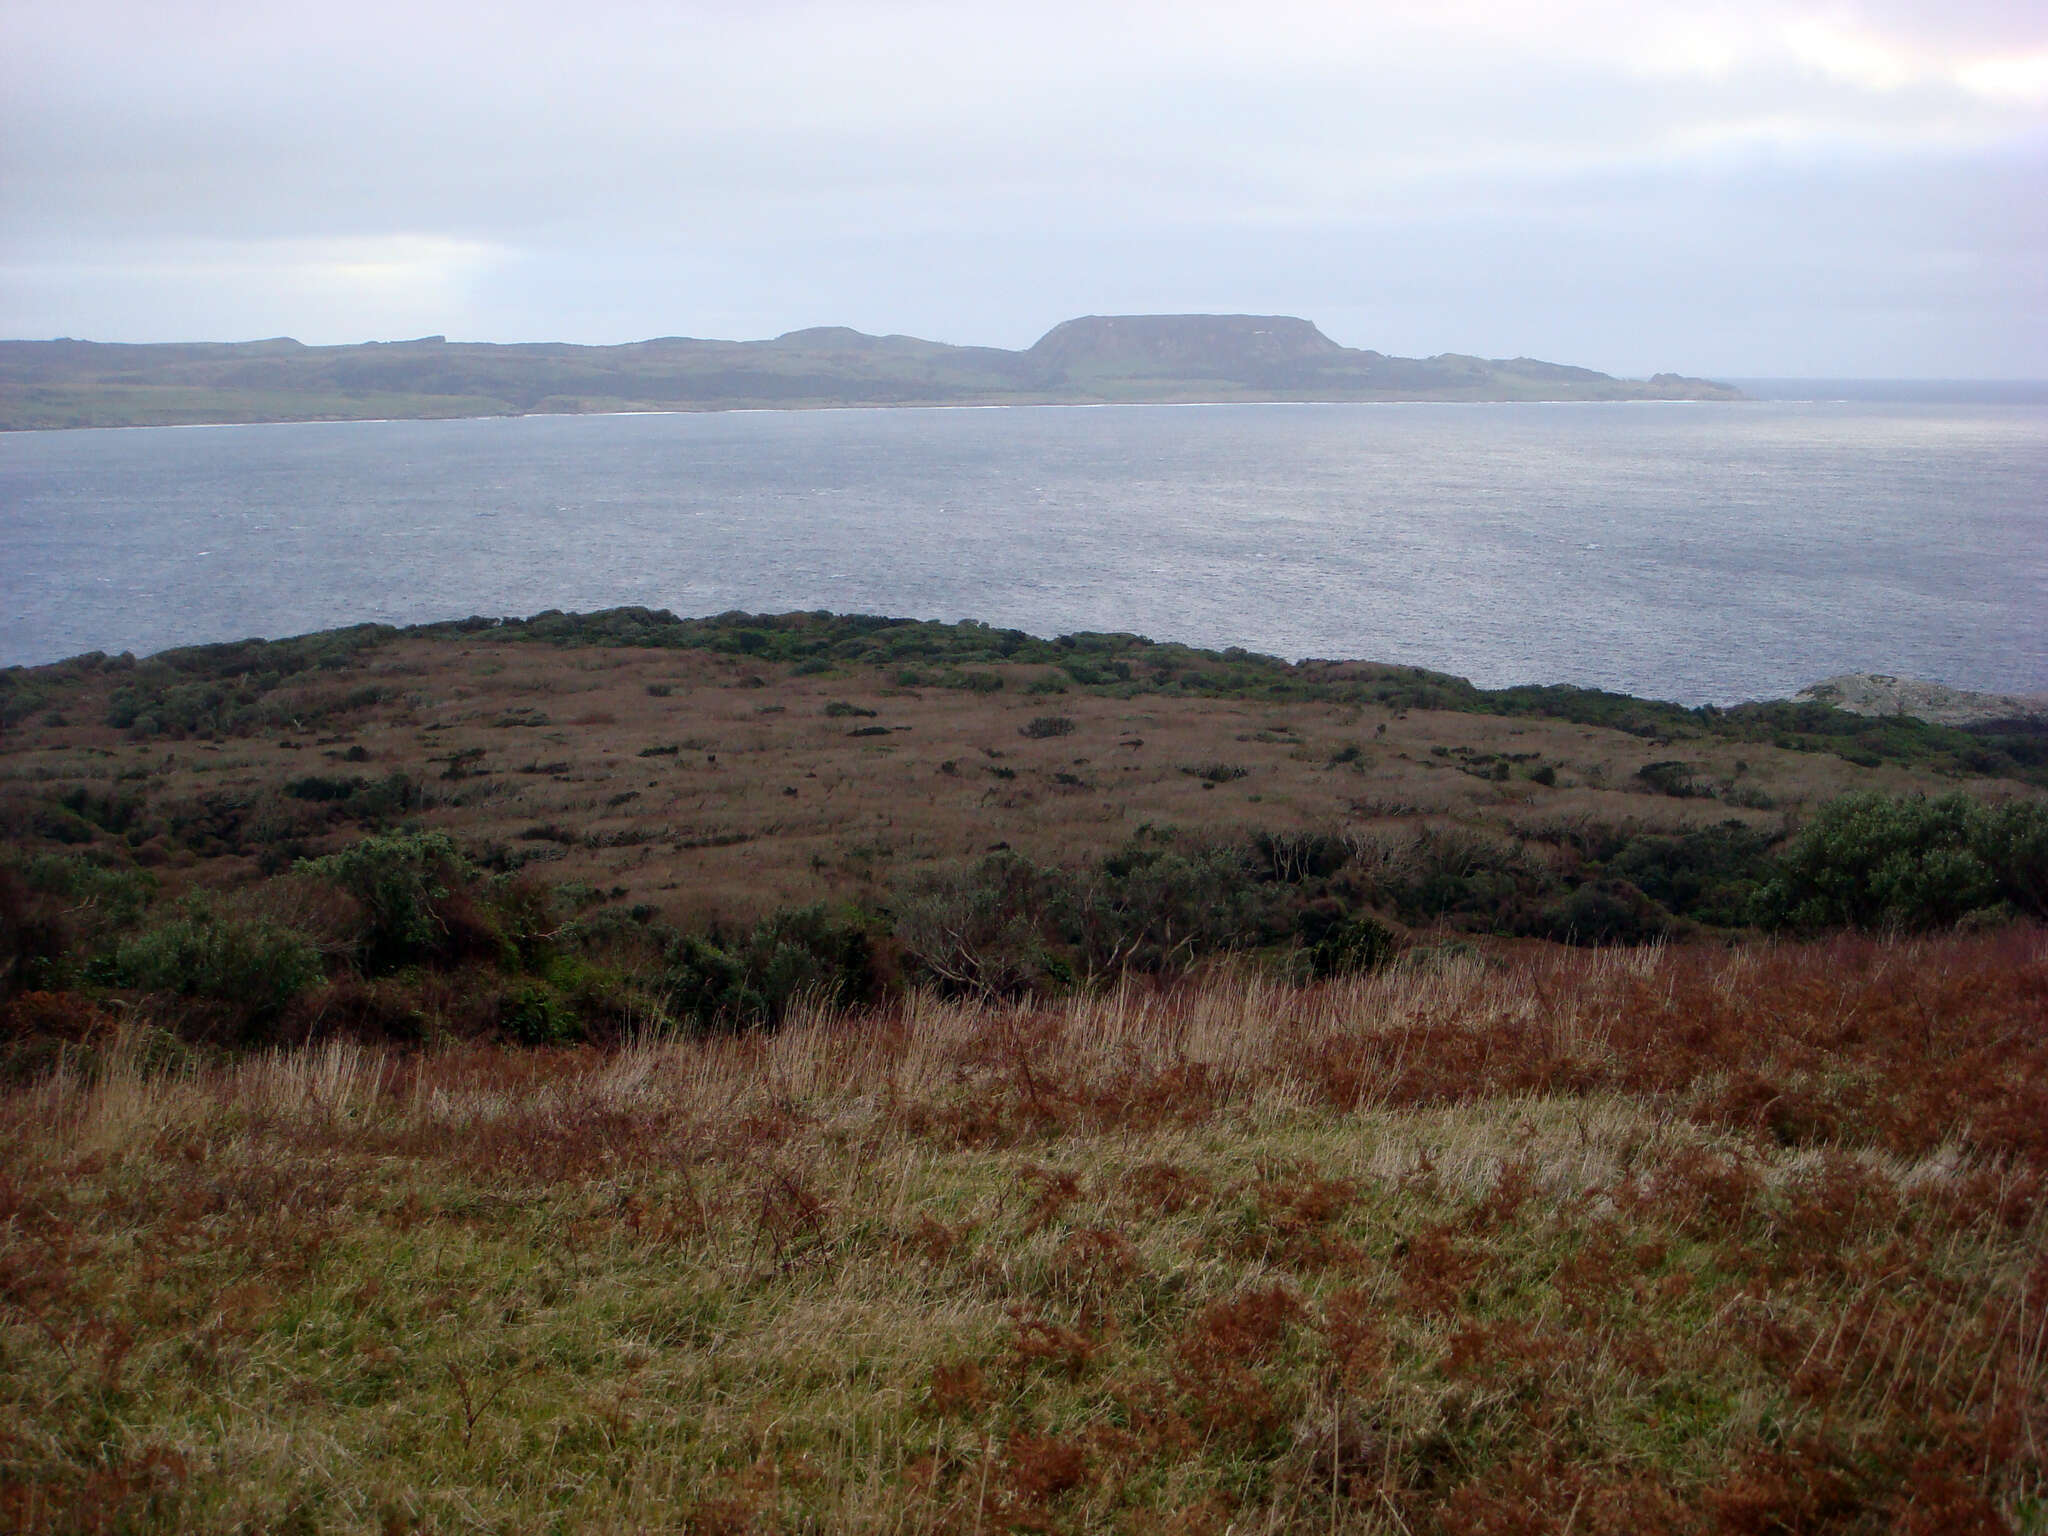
750 792
1545 1241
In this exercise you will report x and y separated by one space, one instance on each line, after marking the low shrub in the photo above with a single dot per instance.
754 978
1669 778
250 969
1602 912
407 884
1710 875
1341 943
1873 861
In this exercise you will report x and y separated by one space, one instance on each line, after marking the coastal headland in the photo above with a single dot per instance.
1096 359
810 1071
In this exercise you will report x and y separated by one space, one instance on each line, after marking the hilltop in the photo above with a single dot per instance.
1094 359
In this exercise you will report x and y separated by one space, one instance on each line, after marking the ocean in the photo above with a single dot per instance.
1702 553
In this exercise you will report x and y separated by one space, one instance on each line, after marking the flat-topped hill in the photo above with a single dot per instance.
1229 345
1094 359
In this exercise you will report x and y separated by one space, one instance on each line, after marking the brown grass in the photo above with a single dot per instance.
1681 1241
736 792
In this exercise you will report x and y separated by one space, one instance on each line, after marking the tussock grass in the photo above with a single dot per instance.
1626 1241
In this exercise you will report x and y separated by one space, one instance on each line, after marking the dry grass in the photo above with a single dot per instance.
734 791
1686 1241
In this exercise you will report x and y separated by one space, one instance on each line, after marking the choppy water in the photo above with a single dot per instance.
1695 552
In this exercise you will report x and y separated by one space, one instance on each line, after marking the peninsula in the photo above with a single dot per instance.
1097 359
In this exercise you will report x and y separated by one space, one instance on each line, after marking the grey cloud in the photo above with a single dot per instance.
622 170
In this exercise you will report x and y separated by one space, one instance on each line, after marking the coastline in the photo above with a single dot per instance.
913 405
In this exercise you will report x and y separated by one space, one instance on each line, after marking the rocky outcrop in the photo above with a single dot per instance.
1877 693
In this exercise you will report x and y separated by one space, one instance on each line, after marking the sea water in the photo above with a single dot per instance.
1705 552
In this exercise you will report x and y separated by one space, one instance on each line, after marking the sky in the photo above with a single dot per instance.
1740 188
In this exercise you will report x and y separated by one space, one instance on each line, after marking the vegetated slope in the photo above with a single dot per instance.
471 832
1649 1242
611 1072
724 767
1129 358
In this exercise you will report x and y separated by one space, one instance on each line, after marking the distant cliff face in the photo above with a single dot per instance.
1182 346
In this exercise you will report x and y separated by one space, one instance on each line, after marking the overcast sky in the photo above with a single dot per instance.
1733 187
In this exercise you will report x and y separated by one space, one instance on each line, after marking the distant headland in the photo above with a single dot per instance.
1097 359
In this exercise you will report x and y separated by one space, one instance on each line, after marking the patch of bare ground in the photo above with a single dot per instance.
1664 1240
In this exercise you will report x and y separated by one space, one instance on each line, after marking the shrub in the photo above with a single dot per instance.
2012 840
1870 861
534 1015
1042 726
973 682
984 929
1454 874
790 954
1711 874
252 968
1156 909
405 882
319 787
1344 944
57 907
1006 926
1603 912
1297 856
1669 778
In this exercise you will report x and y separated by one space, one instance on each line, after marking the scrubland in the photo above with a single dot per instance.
812 1074
1643 1240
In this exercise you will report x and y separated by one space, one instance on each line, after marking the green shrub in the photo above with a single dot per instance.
1711 875
2012 840
989 928
1341 943
253 968
1158 908
1294 857
1449 874
320 787
56 909
753 979
1042 726
1871 861
1603 912
534 1015
1006 926
404 882
1669 778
